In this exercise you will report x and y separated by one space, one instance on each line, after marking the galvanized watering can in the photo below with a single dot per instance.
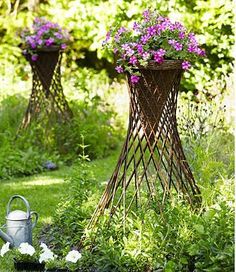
18 224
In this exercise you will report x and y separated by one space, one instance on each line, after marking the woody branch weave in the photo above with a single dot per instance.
152 162
47 93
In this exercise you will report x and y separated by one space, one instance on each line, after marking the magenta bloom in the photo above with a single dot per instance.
146 15
133 60
39 41
135 79
136 26
158 59
200 52
151 30
181 35
63 46
152 38
121 30
172 42
145 38
186 65
34 57
178 46
192 48
108 36
161 52
145 55
159 55
49 42
58 35
33 45
140 48
129 52
119 69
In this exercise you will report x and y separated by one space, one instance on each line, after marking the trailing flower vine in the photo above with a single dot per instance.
43 34
154 38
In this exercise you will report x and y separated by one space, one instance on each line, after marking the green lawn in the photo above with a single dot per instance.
44 191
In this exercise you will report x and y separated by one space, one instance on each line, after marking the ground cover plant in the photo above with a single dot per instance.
175 239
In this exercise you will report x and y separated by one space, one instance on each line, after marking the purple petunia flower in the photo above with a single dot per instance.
192 38
49 42
179 26
161 52
181 35
134 79
151 30
129 52
63 46
146 55
186 65
39 41
145 38
58 35
146 15
136 26
158 59
140 48
125 46
34 57
172 42
201 52
178 46
108 36
121 30
192 48
117 37
133 60
119 69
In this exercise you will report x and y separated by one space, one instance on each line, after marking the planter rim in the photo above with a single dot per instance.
165 65
49 49
53 48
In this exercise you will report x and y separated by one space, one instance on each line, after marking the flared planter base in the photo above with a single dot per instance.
152 164
47 94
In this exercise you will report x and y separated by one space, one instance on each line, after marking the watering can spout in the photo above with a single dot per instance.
6 238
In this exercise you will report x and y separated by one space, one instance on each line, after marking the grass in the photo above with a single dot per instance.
44 191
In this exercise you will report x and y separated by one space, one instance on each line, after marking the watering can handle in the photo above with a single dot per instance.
23 199
36 218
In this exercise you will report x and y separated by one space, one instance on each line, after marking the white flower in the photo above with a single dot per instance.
73 256
46 255
26 248
4 249
43 246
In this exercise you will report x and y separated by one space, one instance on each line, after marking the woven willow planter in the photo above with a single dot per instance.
152 162
47 93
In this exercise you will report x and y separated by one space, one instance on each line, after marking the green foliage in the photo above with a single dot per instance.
177 239
212 20
74 211
94 123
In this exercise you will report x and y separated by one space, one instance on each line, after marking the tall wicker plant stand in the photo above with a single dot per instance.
47 93
152 164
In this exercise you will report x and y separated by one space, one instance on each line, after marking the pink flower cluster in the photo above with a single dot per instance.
43 34
153 38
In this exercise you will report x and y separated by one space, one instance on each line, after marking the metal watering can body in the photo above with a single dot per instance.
19 225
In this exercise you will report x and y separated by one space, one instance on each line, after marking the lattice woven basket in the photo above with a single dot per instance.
152 162
47 93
